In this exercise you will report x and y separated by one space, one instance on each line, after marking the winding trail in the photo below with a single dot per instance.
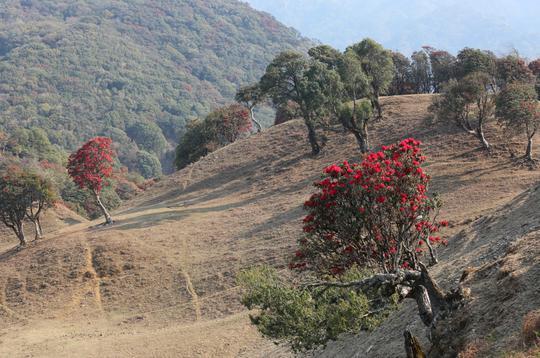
94 278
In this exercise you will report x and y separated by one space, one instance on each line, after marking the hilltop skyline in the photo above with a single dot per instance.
497 25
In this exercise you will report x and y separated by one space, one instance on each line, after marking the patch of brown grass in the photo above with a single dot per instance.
531 328
473 349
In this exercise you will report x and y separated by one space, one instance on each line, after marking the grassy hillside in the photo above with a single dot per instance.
161 281
132 70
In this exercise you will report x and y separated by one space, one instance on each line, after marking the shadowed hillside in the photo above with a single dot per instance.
161 281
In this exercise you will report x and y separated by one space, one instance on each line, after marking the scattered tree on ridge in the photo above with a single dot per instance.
518 111
13 205
309 84
512 69
474 60
221 127
228 123
534 66
40 195
24 195
356 86
378 66
251 96
327 55
470 96
421 72
370 235
91 166
477 89
443 67
402 82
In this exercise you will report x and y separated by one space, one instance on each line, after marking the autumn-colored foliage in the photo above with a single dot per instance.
375 214
230 122
221 127
91 166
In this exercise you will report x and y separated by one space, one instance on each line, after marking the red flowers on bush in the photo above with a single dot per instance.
375 214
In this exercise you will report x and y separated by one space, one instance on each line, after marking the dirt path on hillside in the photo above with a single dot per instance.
161 282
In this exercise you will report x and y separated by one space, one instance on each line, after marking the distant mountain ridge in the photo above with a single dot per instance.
497 25
80 68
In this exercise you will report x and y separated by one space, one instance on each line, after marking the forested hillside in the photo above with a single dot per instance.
135 71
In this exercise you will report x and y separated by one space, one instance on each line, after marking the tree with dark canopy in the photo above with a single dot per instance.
378 66
402 81
24 195
308 83
518 111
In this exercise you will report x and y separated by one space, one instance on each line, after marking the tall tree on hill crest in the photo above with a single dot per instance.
378 66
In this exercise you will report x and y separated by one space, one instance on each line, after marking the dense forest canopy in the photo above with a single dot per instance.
136 71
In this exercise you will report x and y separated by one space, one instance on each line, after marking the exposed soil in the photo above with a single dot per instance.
160 282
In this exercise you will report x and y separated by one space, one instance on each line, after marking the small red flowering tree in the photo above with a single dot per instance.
228 123
374 217
91 166
376 214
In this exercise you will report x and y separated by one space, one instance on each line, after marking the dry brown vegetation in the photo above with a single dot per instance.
161 281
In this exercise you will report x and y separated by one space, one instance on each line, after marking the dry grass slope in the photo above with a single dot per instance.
161 281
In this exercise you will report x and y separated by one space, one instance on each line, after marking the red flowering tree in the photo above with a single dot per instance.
228 123
374 218
91 166
376 214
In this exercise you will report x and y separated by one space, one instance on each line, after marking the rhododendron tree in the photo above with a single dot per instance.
376 214
91 166
518 111
370 235
229 123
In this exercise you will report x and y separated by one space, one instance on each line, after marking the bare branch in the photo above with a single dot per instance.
378 280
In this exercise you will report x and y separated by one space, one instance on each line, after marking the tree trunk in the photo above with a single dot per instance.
423 302
437 297
480 134
257 124
37 229
361 141
412 346
20 234
528 154
312 136
108 219
365 136
377 106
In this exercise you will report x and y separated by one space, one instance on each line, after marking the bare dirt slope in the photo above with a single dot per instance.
161 281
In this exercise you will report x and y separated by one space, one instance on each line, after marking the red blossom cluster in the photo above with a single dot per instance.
231 122
92 164
375 214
